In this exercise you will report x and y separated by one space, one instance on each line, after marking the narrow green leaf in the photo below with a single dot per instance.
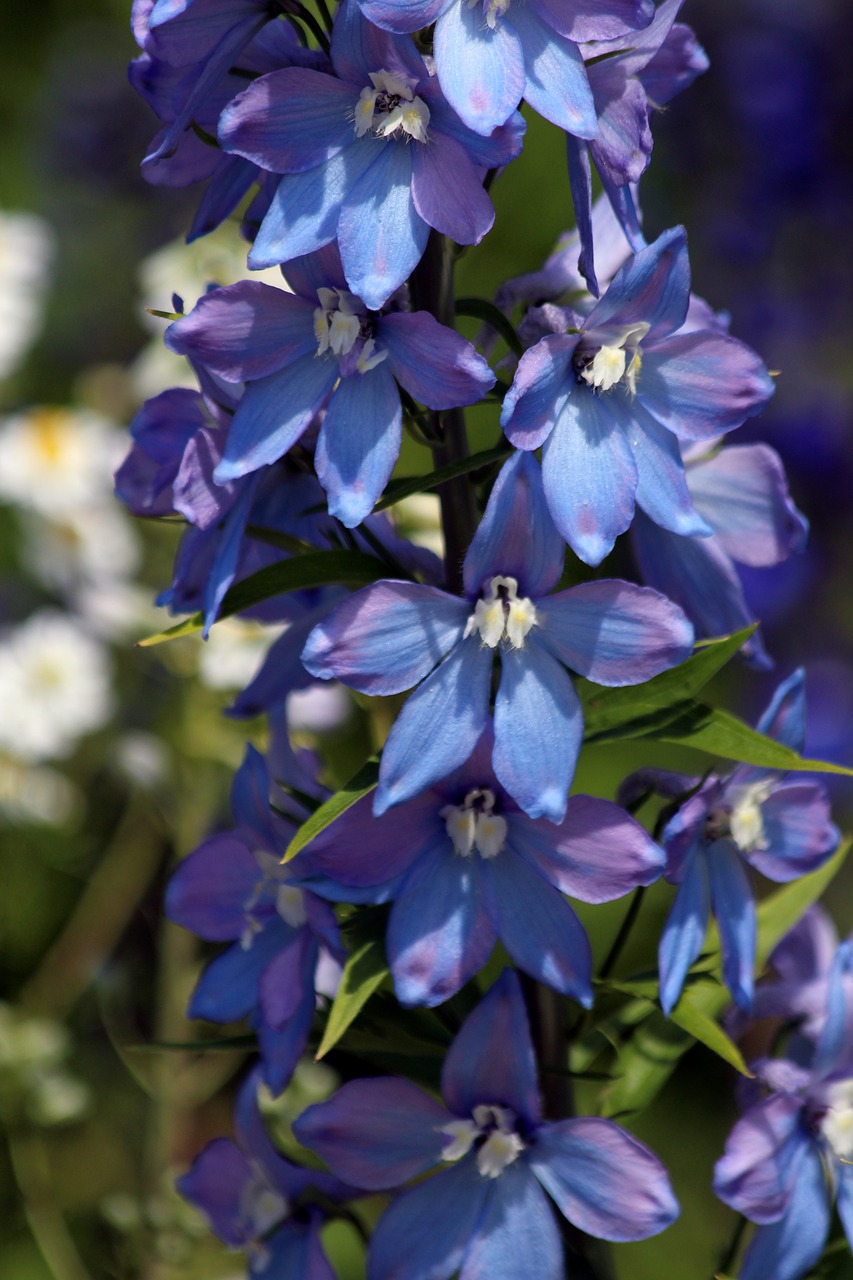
690 1015
480 309
318 569
644 1065
226 1044
406 486
722 734
364 972
608 709
359 785
778 913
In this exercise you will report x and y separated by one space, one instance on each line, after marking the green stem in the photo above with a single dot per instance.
432 290
732 1247
621 938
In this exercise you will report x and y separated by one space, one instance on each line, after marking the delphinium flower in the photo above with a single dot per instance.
284 941
391 635
490 54
317 347
791 1153
610 398
485 1212
373 156
258 1201
779 826
741 492
465 867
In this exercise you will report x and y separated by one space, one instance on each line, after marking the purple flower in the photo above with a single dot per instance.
486 1212
781 828
257 1201
791 1154
373 156
389 636
490 54
610 399
284 940
321 346
742 494
466 867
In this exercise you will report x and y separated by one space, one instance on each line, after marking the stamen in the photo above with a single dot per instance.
494 1129
391 105
473 826
502 615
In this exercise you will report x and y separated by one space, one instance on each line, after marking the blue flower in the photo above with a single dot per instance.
609 400
486 1213
389 636
465 867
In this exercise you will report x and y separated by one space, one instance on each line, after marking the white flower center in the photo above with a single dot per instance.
391 106
473 826
502 614
492 10
837 1125
611 364
494 1129
341 322
746 822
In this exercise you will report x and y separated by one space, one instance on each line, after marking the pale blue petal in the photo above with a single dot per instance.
734 909
557 85
516 537
425 1233
684 931
517 1236
359 443
480 69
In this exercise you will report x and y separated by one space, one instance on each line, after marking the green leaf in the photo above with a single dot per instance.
778 913
353 568
480 309
692 1017
661 698
359 785
645 1065
722 734
405 486
364 972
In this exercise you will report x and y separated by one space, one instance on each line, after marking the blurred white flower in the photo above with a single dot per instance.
54 687
96 544
319 708
26 252
33 793
231 655
56 460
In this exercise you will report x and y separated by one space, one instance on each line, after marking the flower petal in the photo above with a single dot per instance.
742 492
516 1236
684 931
406 1243
789 1248
359 443
557 86
758 1169
480 68
516 536
245 331
435 364
734 908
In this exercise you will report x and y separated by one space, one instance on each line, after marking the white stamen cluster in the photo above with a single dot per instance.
503 614
492 10
837 1125
340 322
502 1145
746 822
474 826
391 105
610 365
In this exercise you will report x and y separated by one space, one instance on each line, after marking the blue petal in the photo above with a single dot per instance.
787 1249
580 182
743 493
273 413
440 932
425 1233
684 931
662 489
207 892
434 364
228 987
359 443
381 236
734 908
517 1236
492 1059
785 717
225 562
652 288
438 727
294 1250
516 536
539 929
538 731
480 69
557 85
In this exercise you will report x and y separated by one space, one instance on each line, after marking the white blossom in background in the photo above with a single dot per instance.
231 655
318 709
36 794
95 544
27 247
54 687
56 460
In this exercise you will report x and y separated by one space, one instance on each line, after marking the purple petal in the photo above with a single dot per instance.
440 932
623 145
287 979
380 234
756 1172
516 536
652 288
386 637
273 414
557 86
596 854
684 931
662 489
785 717
215 1183
359 47
516 1236
375 1133
789 1248
543 382
435 365
407 1244
245 331
208 892
228 987
480 69
387 846
538 731
596 19
290 121
603 1180
734 909
402 15
491 1060
742 492
615 633
539 929
359 443
447 190
799 832
438 727
702 384
589 474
